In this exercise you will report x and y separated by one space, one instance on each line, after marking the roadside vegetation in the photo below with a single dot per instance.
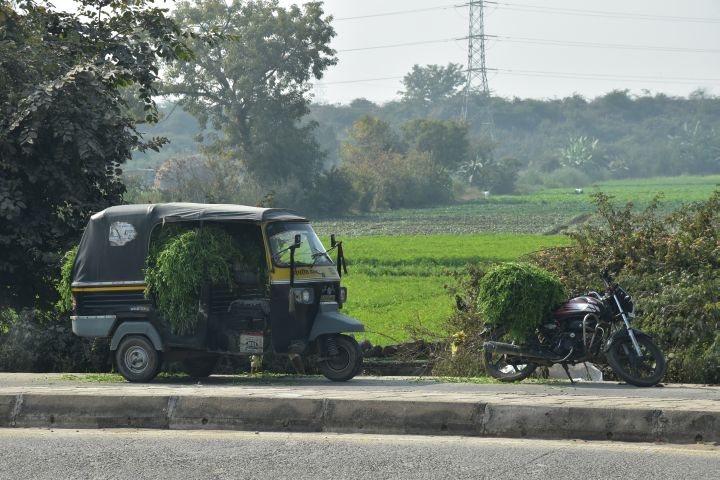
82 127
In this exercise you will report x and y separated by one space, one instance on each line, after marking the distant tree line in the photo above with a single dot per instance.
420 141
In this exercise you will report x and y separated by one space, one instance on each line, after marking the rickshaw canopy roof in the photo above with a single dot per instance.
114 247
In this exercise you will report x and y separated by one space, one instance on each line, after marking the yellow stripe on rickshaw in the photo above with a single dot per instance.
104 289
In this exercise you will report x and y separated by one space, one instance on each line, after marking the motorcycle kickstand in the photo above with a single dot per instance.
567 372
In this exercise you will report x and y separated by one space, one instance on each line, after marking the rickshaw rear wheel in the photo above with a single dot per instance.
346 364
136 359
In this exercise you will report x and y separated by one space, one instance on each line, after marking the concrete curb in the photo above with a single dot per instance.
392 416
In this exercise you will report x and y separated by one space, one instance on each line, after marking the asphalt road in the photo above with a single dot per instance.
40 454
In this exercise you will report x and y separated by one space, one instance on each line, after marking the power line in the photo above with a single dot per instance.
623 46
543 9
599 13
400 12
396 45
574 75
542 41
362 80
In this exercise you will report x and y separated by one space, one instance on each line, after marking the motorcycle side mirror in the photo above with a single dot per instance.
298 241
333 242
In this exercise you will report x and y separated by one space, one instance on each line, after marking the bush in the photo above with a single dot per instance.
464 328
40 341
670 264
518 297
8 317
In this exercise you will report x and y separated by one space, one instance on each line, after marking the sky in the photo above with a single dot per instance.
536 48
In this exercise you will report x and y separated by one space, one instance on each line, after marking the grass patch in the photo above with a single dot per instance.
534 213
93 377
396 282
475 380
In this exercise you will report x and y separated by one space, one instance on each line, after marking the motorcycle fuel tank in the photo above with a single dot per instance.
578 307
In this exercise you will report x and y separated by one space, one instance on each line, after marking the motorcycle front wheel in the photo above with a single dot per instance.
645 370
506 368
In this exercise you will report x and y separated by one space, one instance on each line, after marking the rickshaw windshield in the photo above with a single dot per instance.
310 252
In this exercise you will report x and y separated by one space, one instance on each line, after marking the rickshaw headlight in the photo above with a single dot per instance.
304 295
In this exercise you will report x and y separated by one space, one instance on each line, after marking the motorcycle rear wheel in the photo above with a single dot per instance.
645 371
505 369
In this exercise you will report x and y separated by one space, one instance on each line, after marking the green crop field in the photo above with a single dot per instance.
399 281
399 260
539 212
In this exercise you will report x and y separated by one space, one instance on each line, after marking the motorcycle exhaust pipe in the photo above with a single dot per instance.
519 351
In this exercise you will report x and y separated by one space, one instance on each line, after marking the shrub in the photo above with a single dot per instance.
8 317
518 297
670 264
43 341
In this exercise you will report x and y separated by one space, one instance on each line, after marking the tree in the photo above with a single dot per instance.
432 83
699 148
253 87
446 142
369 136
385 175
579 152
65 127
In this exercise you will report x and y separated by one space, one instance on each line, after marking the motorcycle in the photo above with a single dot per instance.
583 329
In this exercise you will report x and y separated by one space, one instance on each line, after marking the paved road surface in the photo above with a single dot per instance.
41 454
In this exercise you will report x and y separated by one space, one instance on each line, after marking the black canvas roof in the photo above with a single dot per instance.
115 244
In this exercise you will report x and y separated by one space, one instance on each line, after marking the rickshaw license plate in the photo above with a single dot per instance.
251 342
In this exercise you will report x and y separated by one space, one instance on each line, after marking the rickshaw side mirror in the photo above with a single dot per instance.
298 241
333 242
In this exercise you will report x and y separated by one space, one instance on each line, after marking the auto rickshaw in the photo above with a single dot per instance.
289 305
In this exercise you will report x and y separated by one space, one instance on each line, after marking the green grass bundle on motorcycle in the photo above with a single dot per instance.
517 297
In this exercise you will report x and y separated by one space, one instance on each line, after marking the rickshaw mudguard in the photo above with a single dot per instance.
330 320
136 328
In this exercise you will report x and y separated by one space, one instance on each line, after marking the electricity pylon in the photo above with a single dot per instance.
477 90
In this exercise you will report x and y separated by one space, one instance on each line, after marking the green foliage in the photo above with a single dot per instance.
396 283
43 341
578 152
8 317
550 210
518 296
178 265
252 87
385 175
432 83
64 284
66 125
670 263
445 142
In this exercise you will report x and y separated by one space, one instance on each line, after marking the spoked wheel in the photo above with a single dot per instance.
506 368
645 370
343 360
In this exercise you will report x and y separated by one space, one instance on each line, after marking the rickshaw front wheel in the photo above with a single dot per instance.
345 363
136 359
